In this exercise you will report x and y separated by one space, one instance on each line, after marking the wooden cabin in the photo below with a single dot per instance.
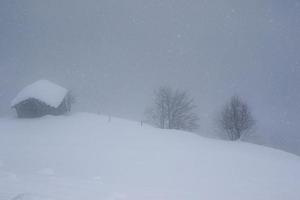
42 98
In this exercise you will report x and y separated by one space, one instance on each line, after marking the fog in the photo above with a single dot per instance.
113 54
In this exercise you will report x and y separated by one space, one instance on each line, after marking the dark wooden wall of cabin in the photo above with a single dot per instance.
32 108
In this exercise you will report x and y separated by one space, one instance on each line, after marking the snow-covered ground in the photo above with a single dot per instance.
87 156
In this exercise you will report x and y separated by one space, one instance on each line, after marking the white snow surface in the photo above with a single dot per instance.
44 91
28 196
92 157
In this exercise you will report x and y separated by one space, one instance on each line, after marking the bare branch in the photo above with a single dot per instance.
173 110
236 118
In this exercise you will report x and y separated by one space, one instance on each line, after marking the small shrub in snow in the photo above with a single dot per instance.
236 118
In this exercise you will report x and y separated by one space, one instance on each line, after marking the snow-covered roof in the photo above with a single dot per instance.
44 91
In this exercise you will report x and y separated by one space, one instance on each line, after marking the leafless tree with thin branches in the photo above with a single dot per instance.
236 119
173 109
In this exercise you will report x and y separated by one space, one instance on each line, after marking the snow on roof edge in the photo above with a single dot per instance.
44 91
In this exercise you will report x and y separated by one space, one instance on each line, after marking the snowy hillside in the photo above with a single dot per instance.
86 156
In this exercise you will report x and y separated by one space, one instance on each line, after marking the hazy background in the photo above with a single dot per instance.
112 54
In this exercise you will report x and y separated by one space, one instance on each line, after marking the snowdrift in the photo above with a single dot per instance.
87 156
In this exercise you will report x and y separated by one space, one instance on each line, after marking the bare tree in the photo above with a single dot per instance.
70 99
173 110
236 118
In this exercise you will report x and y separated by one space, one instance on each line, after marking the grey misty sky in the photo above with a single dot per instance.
112 54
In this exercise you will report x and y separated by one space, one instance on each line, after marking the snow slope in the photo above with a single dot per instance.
86 156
